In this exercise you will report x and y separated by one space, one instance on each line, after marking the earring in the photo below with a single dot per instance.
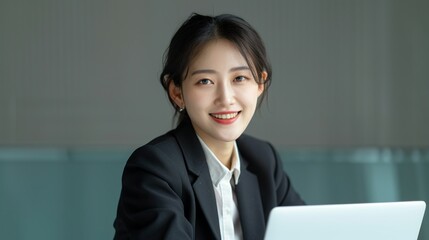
181 109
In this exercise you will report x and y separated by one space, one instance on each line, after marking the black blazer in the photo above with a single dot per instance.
167 192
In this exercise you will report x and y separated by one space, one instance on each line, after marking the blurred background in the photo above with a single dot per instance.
348 107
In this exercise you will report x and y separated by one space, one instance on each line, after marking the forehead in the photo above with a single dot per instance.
217 53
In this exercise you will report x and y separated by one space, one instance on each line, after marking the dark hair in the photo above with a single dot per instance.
196 31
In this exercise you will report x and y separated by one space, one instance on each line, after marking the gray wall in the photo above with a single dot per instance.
84 73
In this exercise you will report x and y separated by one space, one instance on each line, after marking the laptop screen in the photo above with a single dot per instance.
369 221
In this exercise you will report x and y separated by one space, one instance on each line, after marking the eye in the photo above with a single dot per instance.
240 79
205 81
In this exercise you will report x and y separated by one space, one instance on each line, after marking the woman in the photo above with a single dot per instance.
206 179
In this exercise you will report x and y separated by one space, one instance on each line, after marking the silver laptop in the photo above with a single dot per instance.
364 221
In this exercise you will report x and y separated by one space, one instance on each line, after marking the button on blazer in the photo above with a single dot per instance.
167 192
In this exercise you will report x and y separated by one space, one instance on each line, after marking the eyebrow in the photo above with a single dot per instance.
211 71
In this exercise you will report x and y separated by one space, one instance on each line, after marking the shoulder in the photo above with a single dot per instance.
249 145
259 154
166 144
171 145
161 158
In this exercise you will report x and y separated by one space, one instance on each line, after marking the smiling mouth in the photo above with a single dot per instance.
225 116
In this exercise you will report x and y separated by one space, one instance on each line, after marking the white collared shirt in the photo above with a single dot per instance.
224 181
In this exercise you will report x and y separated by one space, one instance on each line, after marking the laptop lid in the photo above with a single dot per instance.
369 221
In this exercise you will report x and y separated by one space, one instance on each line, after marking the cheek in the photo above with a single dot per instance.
196 100
250 98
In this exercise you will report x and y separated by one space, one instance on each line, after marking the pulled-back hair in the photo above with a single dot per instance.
198 30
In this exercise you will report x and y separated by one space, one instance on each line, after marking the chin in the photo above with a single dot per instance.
230 137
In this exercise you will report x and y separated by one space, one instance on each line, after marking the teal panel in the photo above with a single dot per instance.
70 194
70 197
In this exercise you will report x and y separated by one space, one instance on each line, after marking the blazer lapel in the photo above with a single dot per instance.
250 204
203 186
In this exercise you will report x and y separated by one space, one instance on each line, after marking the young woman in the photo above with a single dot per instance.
206 179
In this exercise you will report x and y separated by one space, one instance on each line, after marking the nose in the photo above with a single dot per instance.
225 94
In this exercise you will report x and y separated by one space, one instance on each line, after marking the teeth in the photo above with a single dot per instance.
225 116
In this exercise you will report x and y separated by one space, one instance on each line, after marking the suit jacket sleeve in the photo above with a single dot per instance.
150 205
286 194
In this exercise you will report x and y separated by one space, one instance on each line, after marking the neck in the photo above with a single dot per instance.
224 151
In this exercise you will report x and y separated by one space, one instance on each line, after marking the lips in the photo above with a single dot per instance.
225 117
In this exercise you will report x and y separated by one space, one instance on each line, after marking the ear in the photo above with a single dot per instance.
175 94
261 86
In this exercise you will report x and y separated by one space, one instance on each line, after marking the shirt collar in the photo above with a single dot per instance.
216 168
